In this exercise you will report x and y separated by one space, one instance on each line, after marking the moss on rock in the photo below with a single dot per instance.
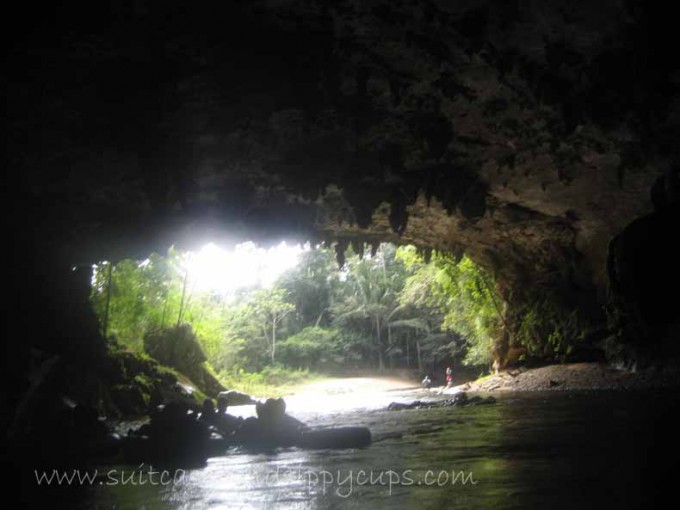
179 348
135 382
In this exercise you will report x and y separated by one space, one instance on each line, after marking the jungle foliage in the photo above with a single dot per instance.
390 310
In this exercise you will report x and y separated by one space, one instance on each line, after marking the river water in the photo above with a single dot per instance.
530 450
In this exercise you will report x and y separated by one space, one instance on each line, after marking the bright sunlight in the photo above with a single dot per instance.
216 269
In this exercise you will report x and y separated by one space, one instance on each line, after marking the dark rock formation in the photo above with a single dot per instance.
179 348
644 281
459 400
236 398
173 437
272 427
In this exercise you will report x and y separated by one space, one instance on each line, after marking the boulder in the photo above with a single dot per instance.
459 400
236 398
178 347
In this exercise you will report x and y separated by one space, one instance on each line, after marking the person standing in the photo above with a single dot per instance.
449 377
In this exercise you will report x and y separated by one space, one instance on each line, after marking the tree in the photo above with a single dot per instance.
269 307
369 300
311 287
464 294
132 297
312 347
389 309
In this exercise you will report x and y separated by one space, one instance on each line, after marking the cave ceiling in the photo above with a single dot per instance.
526 134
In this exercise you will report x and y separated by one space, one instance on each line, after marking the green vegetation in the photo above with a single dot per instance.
274 381
464 295
549 331
135 381
390 310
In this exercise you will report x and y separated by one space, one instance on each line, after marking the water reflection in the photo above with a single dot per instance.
563 450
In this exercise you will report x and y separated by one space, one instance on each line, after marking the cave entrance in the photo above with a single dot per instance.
261 320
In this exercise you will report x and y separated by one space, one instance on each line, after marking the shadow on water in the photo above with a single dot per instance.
531 450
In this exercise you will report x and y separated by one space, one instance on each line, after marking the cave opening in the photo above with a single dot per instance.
265 320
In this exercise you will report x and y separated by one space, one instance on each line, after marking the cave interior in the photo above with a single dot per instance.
538 138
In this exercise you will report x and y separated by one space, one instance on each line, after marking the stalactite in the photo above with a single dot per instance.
374 248
340 249
358 247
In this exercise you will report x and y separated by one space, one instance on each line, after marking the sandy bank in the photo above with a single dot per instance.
574 376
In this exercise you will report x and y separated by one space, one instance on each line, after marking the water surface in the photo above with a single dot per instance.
531 450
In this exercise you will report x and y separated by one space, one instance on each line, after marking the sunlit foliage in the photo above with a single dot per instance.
392 310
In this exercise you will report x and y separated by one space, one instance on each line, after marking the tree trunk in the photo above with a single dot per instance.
165 311
389 346
181 303
408 354
108 300
381 364
420 363
274 339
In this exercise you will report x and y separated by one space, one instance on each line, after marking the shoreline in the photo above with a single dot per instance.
571 376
